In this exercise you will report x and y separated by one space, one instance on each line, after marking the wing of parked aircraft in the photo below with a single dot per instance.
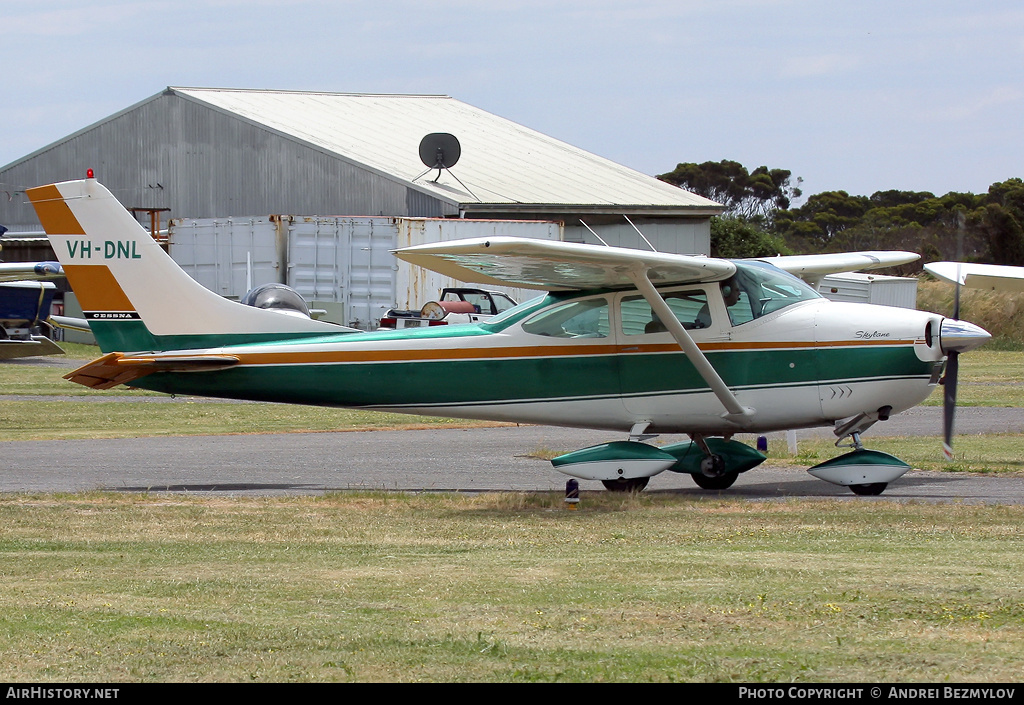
25 306
979 276
812 268
25 271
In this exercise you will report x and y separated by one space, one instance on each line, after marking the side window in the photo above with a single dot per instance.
689 307
740 312
576 319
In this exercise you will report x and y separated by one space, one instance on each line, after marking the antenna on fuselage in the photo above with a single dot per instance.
653 248
594 234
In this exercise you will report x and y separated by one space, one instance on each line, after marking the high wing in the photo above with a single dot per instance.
25 271
979 276
812 268
559 266
564 266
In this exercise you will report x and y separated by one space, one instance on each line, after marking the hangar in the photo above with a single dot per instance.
261 169
206 152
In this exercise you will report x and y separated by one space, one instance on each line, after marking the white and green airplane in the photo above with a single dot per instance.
632 342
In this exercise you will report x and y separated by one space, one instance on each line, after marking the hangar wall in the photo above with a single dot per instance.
169 152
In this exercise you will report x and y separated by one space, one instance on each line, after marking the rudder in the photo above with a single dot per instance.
133 294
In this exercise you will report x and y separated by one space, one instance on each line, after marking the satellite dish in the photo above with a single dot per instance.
440 150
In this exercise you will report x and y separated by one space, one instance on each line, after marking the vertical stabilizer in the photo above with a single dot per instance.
132 293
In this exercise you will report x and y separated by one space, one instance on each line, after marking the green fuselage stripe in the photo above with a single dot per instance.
503 380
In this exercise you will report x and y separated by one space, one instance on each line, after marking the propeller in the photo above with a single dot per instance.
955 337
950 380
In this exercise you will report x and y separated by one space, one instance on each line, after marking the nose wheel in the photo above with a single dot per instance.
718 482
869 490
633 484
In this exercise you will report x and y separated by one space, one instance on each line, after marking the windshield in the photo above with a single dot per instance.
759 289
511 315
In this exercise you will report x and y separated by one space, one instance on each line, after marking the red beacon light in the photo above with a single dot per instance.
89 174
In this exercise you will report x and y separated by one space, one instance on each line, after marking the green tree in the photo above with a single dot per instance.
738 238
753 196
1002 222
823 217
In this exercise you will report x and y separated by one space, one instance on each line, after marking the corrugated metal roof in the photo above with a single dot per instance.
501 163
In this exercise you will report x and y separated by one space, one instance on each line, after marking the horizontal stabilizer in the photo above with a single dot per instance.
117 368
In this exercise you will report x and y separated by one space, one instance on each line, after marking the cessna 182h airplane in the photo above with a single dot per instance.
633 342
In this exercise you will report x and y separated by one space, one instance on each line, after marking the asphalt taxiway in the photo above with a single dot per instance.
447 459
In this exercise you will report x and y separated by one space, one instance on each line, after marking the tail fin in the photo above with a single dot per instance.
132 293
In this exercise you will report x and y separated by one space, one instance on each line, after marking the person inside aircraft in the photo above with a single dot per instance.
730 294
638 318
655 325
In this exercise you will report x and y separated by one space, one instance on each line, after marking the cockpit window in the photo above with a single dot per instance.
587 318
762 289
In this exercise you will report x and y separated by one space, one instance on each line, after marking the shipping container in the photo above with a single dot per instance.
342 266
859 287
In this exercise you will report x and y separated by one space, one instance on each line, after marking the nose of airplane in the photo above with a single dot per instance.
961 336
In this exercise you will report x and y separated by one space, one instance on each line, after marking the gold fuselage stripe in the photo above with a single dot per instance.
484 353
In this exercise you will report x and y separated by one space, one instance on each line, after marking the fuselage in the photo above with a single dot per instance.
599 360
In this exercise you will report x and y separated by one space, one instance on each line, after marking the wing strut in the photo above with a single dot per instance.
734 411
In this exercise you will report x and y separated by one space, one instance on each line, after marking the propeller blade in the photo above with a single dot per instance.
956 293
952 371
949 402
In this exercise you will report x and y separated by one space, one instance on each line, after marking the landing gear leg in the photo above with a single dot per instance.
713 474
865 472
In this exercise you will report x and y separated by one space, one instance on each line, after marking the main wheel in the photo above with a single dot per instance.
634 484
721 482
870 489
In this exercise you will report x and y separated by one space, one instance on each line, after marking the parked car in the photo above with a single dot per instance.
455 305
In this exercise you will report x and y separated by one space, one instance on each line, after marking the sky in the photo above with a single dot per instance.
916 95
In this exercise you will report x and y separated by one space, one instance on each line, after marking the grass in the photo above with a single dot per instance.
376 587
507 588
66 420
987 378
